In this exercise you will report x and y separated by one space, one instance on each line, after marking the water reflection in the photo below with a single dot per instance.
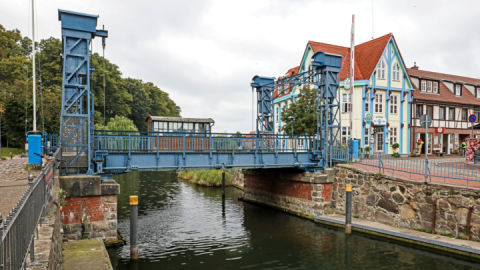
185 226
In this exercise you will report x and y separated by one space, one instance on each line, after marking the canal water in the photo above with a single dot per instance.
185 226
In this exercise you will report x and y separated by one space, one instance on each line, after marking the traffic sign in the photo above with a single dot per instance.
472 118
425 121
440 130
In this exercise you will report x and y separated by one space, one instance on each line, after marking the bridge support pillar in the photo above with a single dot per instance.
304 193
91 207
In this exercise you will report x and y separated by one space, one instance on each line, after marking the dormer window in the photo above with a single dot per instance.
429 86
435 87
396 72
381 69
478 93
458 90
423 86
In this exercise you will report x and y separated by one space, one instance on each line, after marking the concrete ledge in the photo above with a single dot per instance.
408 238
81 185
295 175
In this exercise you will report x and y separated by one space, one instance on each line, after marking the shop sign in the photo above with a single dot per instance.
440 130
379 121
346 83
368 118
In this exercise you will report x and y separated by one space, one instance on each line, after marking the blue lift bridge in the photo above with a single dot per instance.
89 151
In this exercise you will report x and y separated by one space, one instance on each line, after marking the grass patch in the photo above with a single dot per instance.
15 151
447 234
356 216
211 178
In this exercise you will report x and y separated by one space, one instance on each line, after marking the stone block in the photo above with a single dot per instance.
72 228
81 185
414 206
461 216
388 205
383 218
398 198
406 212
110 188
109 199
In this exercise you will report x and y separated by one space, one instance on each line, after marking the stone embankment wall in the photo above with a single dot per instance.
406 203
91 200
293 191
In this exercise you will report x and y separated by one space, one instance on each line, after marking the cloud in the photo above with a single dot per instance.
205 53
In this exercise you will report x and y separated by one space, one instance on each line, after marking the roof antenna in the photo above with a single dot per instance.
373 28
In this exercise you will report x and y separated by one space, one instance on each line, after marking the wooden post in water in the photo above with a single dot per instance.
133 228
223 183
348 210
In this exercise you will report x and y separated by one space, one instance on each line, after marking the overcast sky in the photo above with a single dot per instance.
205 53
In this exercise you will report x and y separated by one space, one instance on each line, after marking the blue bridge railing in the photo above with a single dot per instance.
134 141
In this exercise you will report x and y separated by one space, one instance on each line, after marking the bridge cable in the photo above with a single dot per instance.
104 93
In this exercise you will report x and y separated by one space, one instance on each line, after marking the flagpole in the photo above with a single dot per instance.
352 72
33 59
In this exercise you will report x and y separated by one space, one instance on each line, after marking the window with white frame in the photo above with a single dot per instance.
381 69
423 86
478 93
435 87
278 115
394 104
393 135
378 103
458 90
345 102
429 86
451 114
396 72
367 136
345 134
367 104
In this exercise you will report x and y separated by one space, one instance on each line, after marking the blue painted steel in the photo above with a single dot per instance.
265 88
122 151
34 147
353 148
76 126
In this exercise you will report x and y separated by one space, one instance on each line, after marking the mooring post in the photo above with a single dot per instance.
348 210
223 183
469 220
133 227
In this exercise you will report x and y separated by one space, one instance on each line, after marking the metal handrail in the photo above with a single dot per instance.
17 233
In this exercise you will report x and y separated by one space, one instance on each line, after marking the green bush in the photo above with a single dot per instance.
414 155
396 155
356 216
209 178
367 149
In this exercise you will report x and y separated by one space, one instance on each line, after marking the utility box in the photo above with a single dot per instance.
34 146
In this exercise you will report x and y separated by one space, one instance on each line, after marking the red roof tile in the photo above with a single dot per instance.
445 95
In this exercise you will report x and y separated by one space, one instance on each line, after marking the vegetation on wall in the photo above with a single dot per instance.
211 178
124 97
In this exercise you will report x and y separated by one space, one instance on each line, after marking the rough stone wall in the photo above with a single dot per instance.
406 203
302 193
238 179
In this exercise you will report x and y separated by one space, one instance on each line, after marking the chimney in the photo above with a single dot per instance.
414 66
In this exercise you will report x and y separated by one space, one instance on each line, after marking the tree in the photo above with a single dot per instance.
304 111
118 123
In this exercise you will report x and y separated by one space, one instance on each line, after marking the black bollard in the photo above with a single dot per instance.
223 183
348 210
133 227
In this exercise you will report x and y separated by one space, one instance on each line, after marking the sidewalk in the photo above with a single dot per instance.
435 241
13 183
85 255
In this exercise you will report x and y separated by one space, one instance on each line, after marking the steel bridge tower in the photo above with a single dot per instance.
76 124
325 77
